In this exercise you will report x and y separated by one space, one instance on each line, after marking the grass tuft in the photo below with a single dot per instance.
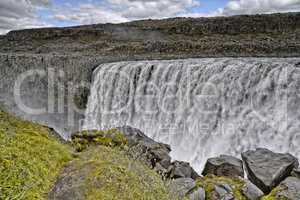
111 138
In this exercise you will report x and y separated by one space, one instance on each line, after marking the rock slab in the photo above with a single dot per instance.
154 154
224 192
181 170
181 186
267 169
251 192
224 166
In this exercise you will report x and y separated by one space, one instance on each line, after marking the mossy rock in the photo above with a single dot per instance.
287 190
106 173
209 182
110 138
273 194
31 158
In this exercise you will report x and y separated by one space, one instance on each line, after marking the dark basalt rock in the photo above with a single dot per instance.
181 170
136 136
267 169
154 154
224 166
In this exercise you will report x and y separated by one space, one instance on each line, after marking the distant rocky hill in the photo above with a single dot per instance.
258 35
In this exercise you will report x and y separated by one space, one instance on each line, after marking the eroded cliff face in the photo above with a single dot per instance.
67 56
46 88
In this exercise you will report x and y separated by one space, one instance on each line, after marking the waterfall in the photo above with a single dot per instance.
202 107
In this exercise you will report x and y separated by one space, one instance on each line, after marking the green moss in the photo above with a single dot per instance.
209 183
273 194
109 174
110 138
30 159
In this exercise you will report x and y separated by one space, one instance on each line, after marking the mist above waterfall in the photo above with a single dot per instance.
202 107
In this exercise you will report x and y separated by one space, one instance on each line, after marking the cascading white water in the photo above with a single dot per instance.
202 107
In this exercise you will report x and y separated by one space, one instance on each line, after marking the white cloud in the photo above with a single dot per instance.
19 14
235 7
140 9
89 14
125 10
215 13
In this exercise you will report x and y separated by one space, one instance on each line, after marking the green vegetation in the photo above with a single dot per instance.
30 159
109 174
209 183
110 138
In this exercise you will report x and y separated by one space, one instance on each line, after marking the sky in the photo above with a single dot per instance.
22 14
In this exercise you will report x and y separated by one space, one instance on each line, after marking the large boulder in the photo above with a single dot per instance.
154 154
181 186
136 136
224 166
181 170
267 169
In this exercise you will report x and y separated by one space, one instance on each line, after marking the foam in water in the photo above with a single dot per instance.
202 107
